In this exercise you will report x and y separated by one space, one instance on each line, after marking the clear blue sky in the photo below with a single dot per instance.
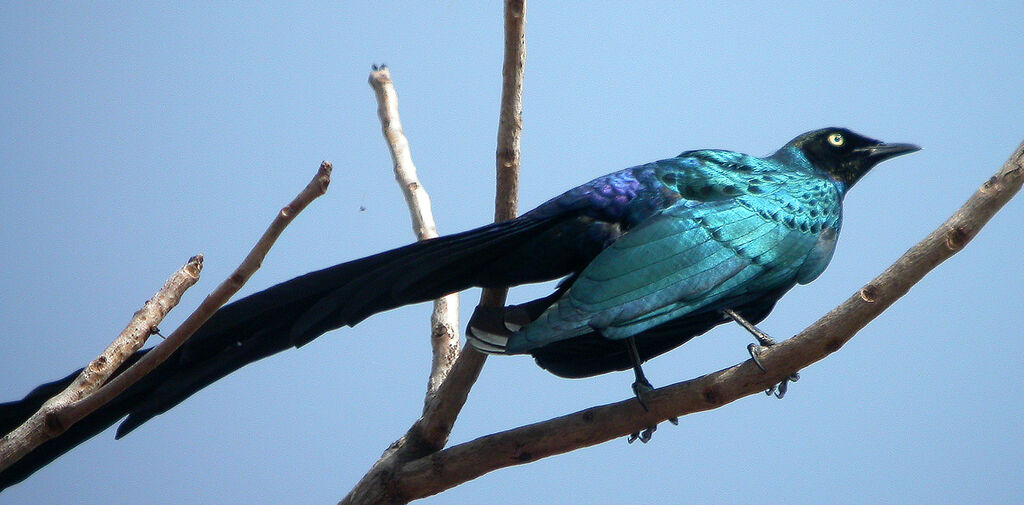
134 137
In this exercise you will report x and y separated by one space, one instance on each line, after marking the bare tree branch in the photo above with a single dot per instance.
252 262
510 119
464 462
440 416
429 433
58 418
46 423
444 321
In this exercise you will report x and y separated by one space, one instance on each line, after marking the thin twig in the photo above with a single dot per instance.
440 417
59 419
46 423
252 262
430 433
464 462
444 321
510 118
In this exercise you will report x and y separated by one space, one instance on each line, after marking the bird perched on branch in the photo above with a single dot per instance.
649 257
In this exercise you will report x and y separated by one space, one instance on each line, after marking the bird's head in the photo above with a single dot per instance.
844 155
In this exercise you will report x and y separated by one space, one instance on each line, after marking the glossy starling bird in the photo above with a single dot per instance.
650 257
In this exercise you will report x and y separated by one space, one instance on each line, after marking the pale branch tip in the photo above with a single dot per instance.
61 411
220 295
444 336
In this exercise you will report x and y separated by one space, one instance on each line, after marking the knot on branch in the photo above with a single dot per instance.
712 396
53 422
992 184
957 237
98 363
869 293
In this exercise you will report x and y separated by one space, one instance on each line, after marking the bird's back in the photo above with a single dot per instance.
743 227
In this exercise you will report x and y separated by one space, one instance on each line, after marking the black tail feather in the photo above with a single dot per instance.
12 414
297 311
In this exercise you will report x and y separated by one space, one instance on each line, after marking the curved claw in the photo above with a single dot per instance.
490 320
643 436
755 351
780 390
640 389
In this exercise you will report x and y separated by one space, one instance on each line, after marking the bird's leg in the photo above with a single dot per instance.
755 350
762 338
640 388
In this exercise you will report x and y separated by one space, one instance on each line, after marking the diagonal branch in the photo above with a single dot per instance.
58 418
223 292
45 423
444 321
464 462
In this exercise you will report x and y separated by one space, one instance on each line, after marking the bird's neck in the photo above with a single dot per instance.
794 158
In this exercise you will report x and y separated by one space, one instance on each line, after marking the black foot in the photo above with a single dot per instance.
641 388
755 350
645 435
780 389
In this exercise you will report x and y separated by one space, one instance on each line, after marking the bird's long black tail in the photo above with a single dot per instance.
296 311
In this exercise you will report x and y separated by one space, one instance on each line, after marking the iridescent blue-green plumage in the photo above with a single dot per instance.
653 252
743 226
694 235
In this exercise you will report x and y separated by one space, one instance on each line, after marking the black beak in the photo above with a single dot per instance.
882 151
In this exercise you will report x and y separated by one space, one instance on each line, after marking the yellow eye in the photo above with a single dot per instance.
836 139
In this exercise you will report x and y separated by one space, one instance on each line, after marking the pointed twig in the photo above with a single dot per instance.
46 423
444 321
224 291
55 417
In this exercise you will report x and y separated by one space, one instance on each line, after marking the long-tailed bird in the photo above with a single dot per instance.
650 257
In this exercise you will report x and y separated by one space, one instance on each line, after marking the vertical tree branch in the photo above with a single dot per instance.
510 127
440 415
444 321
510 119
430 432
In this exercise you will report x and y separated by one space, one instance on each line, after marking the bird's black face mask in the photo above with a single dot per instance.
846 155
